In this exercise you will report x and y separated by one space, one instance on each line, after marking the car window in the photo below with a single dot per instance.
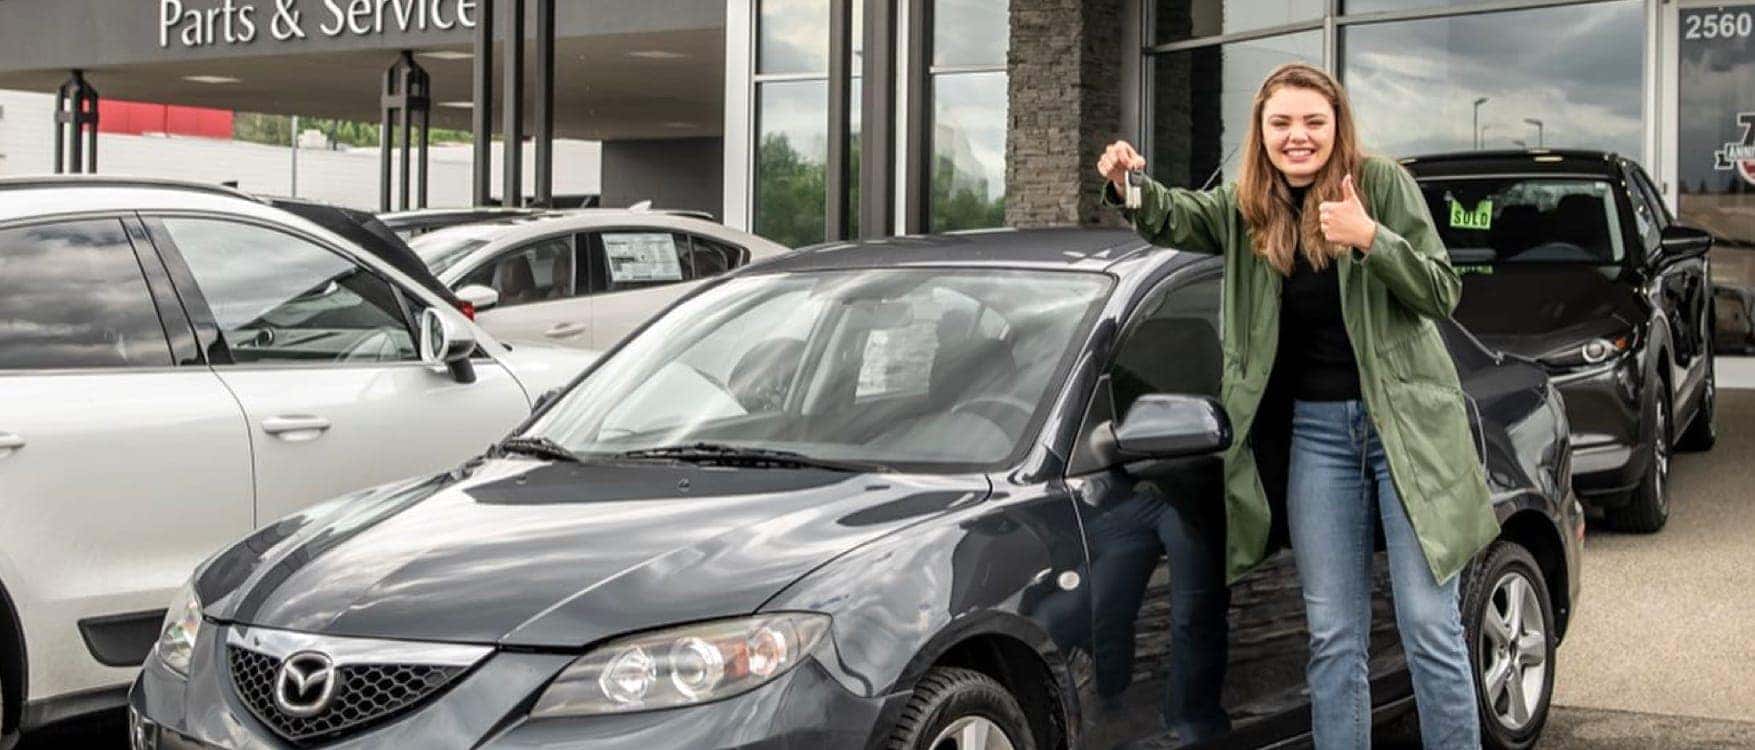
1171 347
537 272
623 260
712 257
279 298
1659 211
1496 220
72 295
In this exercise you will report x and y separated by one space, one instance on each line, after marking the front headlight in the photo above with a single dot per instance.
176 640
682 666
1592 352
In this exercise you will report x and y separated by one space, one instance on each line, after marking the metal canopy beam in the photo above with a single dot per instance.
482 102
545 102
407 100
512 130
76 125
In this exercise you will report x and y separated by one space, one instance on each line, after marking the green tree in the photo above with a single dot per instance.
276 130
966 207
790 193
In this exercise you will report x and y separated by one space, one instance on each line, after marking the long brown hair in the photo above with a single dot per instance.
1263 194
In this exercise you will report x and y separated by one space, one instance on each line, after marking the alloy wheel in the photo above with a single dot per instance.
972 733
1660 453
1513 651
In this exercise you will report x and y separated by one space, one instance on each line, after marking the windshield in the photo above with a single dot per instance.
932 370
441 250
1492 221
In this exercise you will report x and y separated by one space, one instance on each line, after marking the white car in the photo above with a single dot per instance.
585 277
180 364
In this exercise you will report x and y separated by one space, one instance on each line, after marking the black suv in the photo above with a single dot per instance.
1570 258
917 493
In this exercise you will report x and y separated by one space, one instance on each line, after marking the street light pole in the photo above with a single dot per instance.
1538 124
1478 102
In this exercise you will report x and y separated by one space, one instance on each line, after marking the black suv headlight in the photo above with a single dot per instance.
1592 352
682 666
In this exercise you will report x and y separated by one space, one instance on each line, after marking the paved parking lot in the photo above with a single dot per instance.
1662 653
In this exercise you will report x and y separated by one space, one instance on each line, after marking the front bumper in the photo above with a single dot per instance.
489 707
1604 408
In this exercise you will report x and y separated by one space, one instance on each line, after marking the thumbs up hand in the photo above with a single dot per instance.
1344 222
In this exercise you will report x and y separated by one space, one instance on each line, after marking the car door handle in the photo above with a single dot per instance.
9 442
295 428
563 330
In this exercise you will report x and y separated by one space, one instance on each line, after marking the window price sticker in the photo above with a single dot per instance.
646 256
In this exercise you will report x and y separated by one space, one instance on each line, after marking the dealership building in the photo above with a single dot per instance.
807 120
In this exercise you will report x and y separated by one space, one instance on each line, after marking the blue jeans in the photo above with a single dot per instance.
1339 487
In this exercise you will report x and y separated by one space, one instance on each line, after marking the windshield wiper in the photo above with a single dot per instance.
731 454
539 447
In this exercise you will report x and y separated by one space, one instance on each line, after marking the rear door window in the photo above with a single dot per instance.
637 259
72 295
712 257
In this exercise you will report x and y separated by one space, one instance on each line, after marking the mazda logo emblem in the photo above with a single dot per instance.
304 684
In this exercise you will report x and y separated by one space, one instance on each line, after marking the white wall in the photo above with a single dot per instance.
348 178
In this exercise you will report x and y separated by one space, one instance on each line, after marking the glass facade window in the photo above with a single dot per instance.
1201 102
1378 6
1567 77
792 150
792 36
970 32
968 151
1176 20
968 126
1715 145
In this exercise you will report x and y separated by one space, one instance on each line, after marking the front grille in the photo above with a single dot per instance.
365 694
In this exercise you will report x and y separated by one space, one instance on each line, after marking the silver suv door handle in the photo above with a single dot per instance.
9 442
295 427
563 330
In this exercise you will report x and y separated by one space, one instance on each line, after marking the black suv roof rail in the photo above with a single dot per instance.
1483 155
35 182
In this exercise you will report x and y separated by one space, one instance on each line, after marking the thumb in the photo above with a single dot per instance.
1347 191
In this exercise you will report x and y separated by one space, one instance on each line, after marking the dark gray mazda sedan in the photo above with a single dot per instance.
921 493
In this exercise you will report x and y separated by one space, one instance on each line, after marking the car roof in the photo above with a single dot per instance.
1064 248
43 195
1528 161
497 234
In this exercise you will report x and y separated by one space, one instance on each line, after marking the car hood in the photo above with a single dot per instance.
544 367
1540 310
526 553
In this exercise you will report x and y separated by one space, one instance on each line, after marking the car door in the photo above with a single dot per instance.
318 349
634 273
540 293
1686 292
1180 658
123 459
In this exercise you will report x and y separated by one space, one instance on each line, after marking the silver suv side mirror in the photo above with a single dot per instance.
444 341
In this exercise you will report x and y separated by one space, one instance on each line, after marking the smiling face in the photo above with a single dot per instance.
1298 132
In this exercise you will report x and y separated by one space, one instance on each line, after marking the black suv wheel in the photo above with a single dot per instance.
1510 627
1648 509
961 709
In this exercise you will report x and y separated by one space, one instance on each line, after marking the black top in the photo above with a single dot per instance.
1315 360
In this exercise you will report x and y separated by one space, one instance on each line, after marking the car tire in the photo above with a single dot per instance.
1702 433
1509 623
961 709
1648 507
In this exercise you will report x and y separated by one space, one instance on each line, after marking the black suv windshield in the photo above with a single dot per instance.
931 370
1492 221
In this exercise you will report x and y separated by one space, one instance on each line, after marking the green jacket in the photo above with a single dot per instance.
1389 300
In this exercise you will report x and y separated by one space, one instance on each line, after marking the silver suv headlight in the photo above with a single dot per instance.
682 666
176 640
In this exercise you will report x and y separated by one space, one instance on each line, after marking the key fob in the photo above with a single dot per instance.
1133 199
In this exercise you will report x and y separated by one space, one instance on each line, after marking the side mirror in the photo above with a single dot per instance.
444 341
482 297
1681 242
1168 426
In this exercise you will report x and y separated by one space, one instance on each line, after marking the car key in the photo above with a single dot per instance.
1133 199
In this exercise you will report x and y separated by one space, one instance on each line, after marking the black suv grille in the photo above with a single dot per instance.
365 695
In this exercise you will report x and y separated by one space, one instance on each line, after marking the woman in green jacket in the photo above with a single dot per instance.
1334 277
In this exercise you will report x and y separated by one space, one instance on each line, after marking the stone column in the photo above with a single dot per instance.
1065 68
